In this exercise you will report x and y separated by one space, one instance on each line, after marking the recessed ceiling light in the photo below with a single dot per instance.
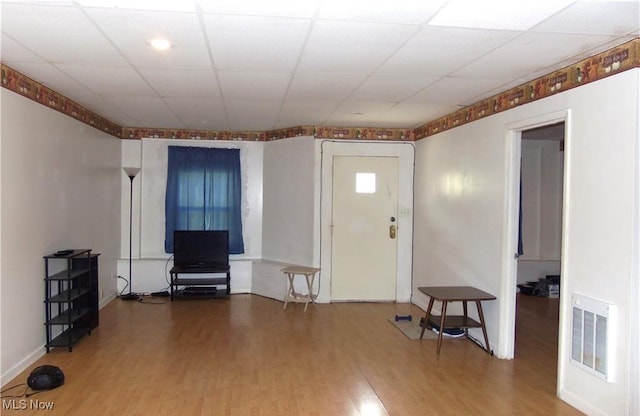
160 44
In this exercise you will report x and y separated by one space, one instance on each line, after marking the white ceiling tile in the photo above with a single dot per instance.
438 51
322 86
497 14
108 80
257 85
391 88
457 91
249 114
528 53
595 17
348 47
58 34
98 105
408 114
401 121
12 51
301 112
131 31
149 111
158 5
54 78
358 113
256 43
399 11
205 113
44 2
284 8
182 82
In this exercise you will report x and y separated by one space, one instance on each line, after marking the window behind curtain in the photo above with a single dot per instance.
204 193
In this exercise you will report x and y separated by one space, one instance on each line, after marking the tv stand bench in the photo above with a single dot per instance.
206 286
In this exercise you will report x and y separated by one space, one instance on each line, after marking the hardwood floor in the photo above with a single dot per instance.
247 356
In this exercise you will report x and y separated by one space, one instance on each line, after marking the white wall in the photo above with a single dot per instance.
461 229
149 264
289 188
458 214
289 215
60 189
601 227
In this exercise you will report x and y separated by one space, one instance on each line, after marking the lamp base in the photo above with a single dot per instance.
130 296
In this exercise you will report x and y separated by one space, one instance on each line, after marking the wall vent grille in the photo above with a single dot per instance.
592 335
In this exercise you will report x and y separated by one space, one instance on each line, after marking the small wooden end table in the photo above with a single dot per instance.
291 295
464 294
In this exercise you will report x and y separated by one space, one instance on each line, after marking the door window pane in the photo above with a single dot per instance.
365 183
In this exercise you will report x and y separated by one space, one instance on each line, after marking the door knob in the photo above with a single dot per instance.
392 231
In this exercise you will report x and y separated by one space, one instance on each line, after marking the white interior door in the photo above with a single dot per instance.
364 228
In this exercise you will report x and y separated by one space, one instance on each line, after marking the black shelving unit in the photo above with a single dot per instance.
71 296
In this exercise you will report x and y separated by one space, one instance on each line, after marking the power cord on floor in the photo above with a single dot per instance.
147 299
166 275
125 286
14 387
24 393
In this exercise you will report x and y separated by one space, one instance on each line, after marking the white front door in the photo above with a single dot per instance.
364 228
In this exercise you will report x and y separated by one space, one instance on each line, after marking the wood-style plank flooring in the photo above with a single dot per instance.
247 356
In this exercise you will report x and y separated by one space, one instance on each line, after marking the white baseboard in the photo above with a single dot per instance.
580 404
31 358
104 301
38 353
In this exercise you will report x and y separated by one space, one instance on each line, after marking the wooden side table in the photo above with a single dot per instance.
464 294
291 295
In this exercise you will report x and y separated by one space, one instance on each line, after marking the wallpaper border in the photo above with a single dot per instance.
613 61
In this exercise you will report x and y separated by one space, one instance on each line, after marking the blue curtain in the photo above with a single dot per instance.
204 193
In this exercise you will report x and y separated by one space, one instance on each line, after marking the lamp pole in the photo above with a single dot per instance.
131 173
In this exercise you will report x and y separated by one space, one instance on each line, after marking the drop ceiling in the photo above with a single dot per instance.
263 65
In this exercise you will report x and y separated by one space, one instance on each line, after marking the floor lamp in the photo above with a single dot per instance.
131 173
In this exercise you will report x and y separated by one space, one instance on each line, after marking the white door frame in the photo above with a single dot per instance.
404 151
507 314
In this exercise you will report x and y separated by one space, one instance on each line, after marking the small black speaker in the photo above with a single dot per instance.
45 377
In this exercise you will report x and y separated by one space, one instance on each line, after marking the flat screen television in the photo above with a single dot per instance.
201 249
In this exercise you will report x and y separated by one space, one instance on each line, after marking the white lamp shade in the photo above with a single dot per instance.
131 172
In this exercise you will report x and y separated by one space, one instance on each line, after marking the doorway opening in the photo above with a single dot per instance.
539 254
540 211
